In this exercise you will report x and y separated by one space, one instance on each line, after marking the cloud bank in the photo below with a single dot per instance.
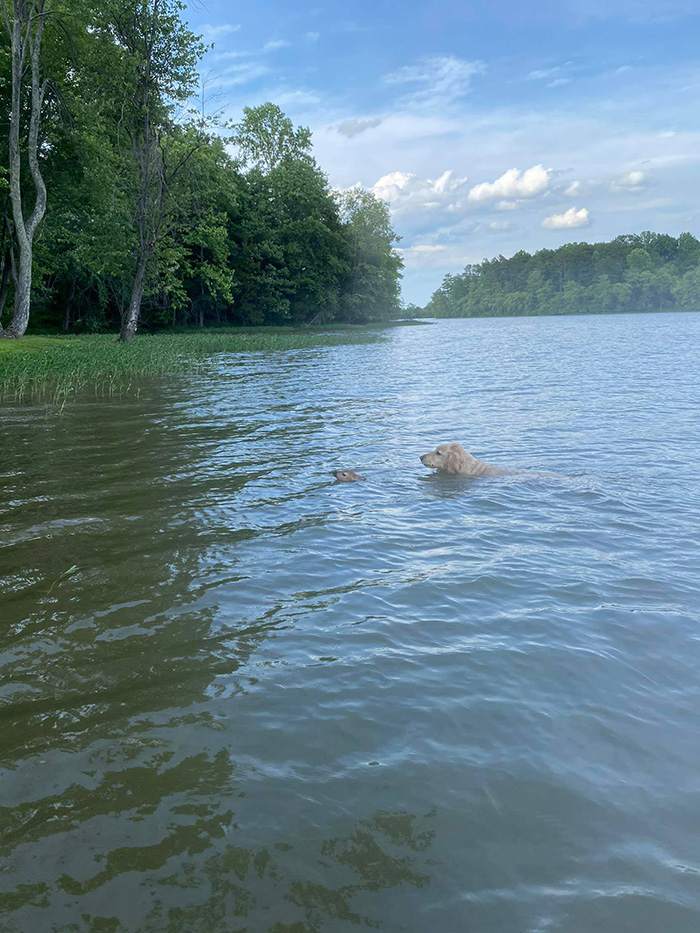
513 184
437 78
570 218
408 194
632 181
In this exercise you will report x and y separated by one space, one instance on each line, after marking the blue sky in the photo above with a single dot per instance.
489 127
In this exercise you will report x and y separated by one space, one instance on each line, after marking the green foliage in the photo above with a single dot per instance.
266 138
644 272
157 53
371 291
259 239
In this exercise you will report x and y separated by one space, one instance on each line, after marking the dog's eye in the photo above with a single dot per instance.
438 453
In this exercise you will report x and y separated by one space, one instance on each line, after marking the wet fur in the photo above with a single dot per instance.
453 458
346 476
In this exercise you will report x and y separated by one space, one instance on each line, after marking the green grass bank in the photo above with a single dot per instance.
52 367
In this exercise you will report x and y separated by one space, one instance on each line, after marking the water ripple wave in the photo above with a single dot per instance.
237 696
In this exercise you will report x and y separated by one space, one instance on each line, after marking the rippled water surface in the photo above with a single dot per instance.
238 697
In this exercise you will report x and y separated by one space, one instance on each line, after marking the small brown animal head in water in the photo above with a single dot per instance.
450 458
346 476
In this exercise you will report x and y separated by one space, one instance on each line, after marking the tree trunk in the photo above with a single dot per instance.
25 26
5 284
23 292
69 304
131 321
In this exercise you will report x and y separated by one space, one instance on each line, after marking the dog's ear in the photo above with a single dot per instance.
458 460
453 460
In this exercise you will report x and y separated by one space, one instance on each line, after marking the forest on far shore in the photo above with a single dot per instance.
634 272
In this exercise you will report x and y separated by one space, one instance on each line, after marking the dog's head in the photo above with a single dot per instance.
346 476
451 458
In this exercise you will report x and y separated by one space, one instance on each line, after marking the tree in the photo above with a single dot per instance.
25 21
371 292
688 253
291 250
159 59
639 260
687 290
266 137
83 255
193 269
291 256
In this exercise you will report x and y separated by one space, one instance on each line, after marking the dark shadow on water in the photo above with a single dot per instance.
447 486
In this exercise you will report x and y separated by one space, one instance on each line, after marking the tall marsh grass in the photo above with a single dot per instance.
54 367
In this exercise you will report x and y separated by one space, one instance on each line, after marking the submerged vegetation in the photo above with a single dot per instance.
645 272
54 367
156 213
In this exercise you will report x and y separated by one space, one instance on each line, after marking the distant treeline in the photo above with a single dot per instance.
645 272
122 202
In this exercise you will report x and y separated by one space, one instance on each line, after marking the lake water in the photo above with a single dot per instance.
239 697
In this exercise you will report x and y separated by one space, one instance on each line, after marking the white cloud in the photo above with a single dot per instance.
351 128
639 207
298 98
226 56
313 36
242 74
667 134
500 225
577 189
570 218
406 193
389 186
608 134
512 184
559 82
274 44
426 256
438 78
632 181
541 73
210 31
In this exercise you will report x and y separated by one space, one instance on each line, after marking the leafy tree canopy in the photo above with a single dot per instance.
150 219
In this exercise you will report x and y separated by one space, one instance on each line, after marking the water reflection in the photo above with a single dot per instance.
184 887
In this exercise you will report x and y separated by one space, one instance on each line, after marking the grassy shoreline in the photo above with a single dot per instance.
52 367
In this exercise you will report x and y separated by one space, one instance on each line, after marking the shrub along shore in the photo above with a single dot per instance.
54 367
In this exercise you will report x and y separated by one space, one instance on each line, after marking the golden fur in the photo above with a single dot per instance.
346 476
453 458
